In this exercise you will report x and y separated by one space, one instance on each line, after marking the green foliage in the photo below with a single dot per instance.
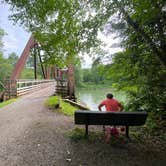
7 102
27 73
91 86
61 27
52 101
55 24
143 83
2 33
87 75
67 108
30 61
140 69
94 74
78 74
77 134
64 107
5 68
13 58
6 64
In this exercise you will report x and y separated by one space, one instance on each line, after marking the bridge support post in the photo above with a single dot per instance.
71 82
47 72
10 89
22 60
35 62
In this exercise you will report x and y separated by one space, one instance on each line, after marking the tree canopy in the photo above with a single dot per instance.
58 27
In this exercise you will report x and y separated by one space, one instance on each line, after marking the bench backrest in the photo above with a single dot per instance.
110 118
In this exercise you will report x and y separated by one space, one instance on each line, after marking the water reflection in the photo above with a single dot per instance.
93 97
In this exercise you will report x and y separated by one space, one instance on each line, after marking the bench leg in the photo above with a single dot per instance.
127 131
86 130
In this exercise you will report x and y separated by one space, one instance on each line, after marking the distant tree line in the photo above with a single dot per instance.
93 75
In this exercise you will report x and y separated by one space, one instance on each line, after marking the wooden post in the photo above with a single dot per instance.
127 131
56 73
10 89
53 72
86 130
47 69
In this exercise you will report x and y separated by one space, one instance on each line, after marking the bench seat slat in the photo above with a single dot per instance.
110 118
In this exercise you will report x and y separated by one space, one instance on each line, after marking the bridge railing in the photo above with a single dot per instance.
26 86
16 88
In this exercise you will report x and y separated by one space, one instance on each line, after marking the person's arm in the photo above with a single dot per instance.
100 105
121 107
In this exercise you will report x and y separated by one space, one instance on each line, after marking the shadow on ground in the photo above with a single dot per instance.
119 152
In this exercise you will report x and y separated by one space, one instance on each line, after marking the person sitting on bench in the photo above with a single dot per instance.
111 105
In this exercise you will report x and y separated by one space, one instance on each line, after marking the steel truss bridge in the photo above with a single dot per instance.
63 79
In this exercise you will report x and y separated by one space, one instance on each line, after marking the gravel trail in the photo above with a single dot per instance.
30 134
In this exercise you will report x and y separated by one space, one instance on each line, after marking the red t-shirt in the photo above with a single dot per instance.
111 105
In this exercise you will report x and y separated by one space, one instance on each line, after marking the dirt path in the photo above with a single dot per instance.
32 135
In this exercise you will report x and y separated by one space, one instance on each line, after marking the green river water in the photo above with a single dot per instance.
92 97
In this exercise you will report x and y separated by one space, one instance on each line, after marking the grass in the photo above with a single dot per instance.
97 137
78 134
7 102
56 103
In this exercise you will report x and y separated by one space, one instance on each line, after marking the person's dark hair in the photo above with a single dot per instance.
110 96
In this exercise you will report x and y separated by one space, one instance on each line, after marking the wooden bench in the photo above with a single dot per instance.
110 118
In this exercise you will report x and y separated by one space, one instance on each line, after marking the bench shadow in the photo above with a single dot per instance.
93 150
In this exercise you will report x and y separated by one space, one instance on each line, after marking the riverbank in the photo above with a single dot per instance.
55 103
94 86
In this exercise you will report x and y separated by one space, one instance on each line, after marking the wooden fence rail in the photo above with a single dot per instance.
16 88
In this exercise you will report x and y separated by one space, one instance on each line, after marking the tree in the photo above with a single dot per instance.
5 67
141 66
13 58
54 26
61 27
87 75
2 33
78 73
96 75
61 21
146 19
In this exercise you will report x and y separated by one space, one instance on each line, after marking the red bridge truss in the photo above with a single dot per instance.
65 87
